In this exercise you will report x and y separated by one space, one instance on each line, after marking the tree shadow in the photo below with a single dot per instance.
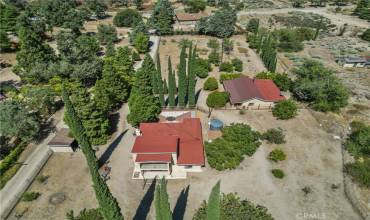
108 152
179 210
197 94
113 122
143 209
46 127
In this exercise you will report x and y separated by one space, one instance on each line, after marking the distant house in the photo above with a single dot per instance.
169 149
62 142
353 61
252 93
187 21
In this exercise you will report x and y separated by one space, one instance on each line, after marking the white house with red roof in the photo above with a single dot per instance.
251 93
169 149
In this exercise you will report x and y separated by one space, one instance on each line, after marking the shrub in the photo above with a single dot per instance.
107 34
277 155
195 6
226 67
285 109
12 158
242 111
288 40
274 135
228 76
238 64
214 57
233 208
217 99
7 175
253 25
358 142
126 18
307 190
86 214
30 196
42 178
141 42
202 67
228 151
278 173
135 56
366 35
360 171
210 84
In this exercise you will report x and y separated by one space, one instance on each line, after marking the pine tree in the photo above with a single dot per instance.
162 206
107 203
191 79
145 78
213 208
171 85
93 117
182 79
110 51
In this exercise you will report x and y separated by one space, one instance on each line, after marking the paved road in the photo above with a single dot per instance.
338 19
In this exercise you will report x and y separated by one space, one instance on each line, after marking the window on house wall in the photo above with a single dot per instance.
188 166
251 104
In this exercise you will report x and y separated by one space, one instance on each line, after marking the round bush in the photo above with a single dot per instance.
126 18
285 109
278 173
277 155
202 67
238 64
210 84
226 67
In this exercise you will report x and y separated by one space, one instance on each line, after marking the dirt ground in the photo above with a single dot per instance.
313 159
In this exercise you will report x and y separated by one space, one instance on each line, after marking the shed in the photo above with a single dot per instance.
62 142
215 124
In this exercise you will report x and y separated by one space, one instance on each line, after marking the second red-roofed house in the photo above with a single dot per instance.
169 149
251 93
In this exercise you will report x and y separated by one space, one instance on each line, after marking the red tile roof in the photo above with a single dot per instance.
244 88
160 138
153 158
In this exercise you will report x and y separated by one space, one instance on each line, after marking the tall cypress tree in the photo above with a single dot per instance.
213 208
182 80
191 79
107 203
171 85
159 82
165 87
145 77
162 206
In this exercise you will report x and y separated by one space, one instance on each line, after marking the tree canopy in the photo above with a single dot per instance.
319 87
17 121
127 18
219 24
163 17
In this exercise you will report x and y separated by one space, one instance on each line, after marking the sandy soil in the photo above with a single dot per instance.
313 159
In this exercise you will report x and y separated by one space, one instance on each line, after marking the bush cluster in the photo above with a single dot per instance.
228 151
202 67
274 135
226 67
281 80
